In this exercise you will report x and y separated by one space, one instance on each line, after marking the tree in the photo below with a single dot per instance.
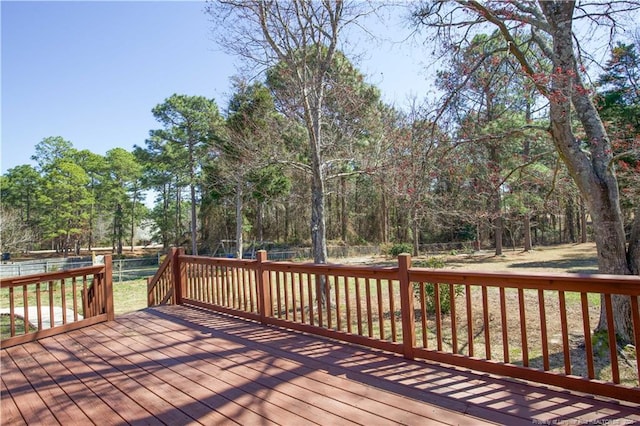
246 153
65 204
618 101
302 37
350 123
123 187
586 151
51 149
190 124
16 235
96 167
20 188
65 199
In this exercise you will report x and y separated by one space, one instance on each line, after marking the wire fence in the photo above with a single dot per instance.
123 269
142 267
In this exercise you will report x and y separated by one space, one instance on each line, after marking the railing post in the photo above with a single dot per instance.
150 296
264 287
178 275
108 288
406 306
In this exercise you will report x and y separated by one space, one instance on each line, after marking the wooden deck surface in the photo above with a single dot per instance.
178 365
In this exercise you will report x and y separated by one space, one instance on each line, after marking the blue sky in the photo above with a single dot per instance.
92 71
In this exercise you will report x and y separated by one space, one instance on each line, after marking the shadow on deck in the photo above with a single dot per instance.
179 364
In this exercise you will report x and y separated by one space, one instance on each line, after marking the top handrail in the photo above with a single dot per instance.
48 276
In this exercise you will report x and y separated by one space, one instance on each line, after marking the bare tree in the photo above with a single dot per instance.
534 33
15 234
302 38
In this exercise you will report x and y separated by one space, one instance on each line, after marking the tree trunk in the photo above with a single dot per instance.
527 232
583 223
498 224
178 229
385 218
260 220
571 227
194 216
415 231
343 209
591 171
239 221
634 246
133 217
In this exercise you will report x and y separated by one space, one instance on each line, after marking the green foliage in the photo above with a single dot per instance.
444 294
600 343
431 262
430 288
399 248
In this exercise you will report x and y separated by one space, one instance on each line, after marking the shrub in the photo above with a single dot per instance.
432 262
399 248
445 297
430 288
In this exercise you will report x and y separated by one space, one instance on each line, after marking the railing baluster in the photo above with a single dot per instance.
63 300
211 281
327 295
380 309
586 327
523 329
52 314
438 313
235 288
310 299
228 277
613 344
85 298
243 285
505 326
303 300
74 289
543 330
294 299
39 305
222 282
336 284
423 316
253 282
565 333
635 315
487 324
392 311
367 290
12 317
279 291
286 298
25 301
347 303
319 296
358 306
467 294
452 312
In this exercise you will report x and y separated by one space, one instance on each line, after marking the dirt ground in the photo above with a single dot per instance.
576 258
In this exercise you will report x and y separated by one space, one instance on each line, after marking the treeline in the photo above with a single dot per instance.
486 171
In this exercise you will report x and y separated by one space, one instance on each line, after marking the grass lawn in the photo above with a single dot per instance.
129 296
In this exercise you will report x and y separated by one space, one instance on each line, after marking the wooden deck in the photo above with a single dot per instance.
181 365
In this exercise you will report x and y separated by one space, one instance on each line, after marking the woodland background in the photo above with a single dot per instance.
476 166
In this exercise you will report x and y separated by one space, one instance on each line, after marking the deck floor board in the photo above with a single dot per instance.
183 365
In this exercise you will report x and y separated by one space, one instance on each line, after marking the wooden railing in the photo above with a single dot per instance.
161 288
43 305
532 327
